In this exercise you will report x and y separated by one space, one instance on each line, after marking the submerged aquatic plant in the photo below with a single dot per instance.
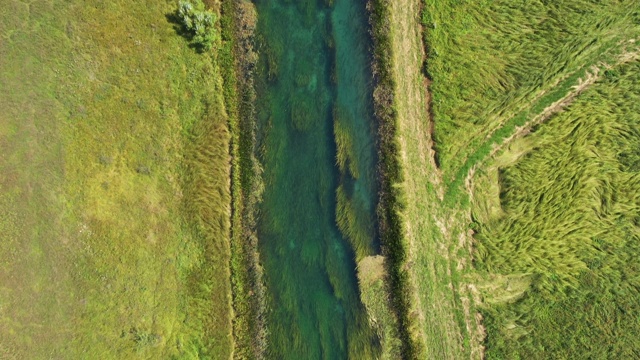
346 157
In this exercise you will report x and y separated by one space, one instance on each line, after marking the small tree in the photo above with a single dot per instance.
198 23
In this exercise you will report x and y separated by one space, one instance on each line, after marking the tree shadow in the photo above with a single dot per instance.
181 30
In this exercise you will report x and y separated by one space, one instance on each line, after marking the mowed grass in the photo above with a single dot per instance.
433 324
562 223
114 185
489 60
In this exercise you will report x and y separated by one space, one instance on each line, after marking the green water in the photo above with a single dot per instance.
314 63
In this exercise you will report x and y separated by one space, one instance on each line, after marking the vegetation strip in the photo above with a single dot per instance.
238 26
391 200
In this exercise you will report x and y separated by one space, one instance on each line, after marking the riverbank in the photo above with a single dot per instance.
390 204
416 228
238 29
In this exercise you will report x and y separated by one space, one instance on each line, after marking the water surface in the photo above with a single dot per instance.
314 61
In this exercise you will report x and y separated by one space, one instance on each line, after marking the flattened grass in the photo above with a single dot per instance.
569 221
493 67
489 60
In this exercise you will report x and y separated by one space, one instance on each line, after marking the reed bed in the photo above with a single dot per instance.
346 157
354 223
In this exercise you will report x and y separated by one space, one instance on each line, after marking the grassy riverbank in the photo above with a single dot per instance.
115 185
417 272
239 59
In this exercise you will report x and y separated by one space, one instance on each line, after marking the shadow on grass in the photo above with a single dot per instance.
180 30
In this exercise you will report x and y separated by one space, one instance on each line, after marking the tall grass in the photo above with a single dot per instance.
346 157
494 66
207 202
570 220
489 60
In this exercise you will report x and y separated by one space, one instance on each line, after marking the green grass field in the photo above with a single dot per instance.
490 61
114 185
493 71
565 221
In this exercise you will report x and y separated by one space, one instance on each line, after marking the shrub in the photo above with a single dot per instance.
198 23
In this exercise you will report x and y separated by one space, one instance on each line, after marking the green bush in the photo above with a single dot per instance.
198 23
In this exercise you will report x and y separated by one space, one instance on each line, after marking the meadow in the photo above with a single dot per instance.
114 184
475 77
490 60
564 226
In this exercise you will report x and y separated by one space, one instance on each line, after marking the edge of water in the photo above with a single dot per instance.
248 287
392 200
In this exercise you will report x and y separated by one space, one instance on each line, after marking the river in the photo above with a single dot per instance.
313 76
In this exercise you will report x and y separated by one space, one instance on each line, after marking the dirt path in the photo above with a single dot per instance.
412 108
432 295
